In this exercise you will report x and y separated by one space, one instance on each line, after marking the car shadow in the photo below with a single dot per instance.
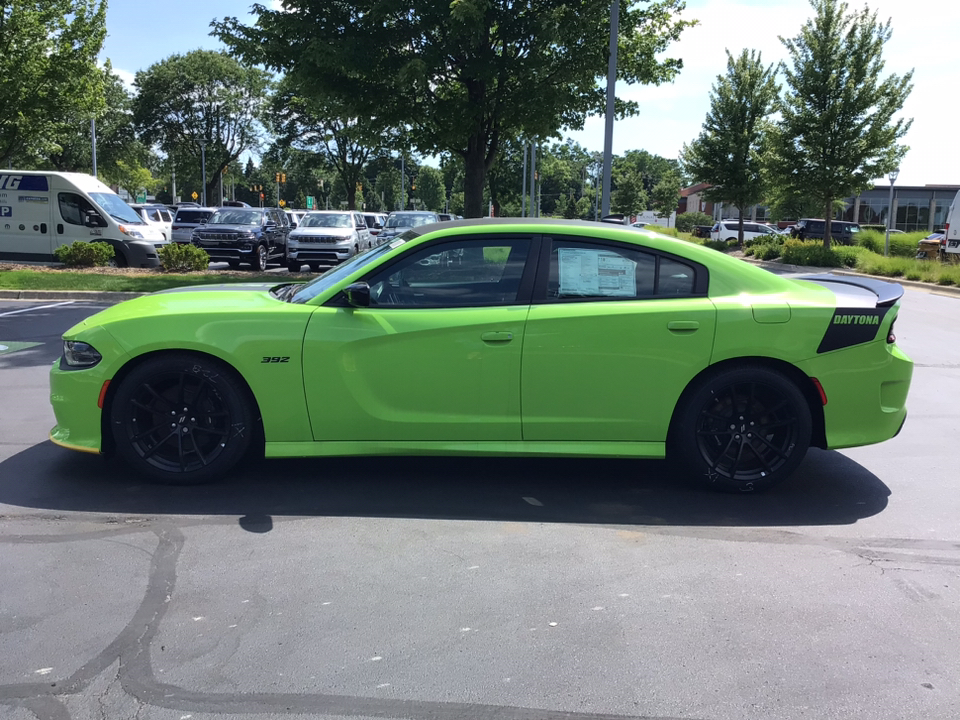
827 489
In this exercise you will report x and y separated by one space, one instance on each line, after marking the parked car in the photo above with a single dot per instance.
256 236
841 231
188 219
158 216
375 223
515 337
402 220
445 217
729 231
327 237
951 230
294 217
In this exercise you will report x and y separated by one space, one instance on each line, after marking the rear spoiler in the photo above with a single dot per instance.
887 292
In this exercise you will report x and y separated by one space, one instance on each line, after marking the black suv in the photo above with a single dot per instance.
257 236
842 231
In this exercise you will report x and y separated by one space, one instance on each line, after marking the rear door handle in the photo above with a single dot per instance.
683 325
496 337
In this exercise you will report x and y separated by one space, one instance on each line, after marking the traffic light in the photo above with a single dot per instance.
283 177
278 177
261 196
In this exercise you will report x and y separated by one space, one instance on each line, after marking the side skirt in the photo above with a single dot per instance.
653 450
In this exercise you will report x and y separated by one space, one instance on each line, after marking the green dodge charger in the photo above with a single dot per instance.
494 337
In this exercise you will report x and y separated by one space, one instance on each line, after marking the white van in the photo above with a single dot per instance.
40 210
951 232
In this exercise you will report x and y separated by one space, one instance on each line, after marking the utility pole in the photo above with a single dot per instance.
611 97
173 174
523 195
403 177
203 163
533 176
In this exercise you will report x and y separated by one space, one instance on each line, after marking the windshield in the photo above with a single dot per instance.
236 217
409 221
338 220
117 208
336 274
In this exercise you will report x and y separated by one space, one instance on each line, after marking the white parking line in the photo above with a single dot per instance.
39 307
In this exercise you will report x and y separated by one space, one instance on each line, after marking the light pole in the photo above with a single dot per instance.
611 97
523 194
93 139
886 242
203 165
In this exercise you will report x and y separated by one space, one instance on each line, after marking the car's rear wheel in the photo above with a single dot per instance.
182 419
741 430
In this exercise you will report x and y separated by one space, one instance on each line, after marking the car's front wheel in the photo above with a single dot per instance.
741 430
182 418
259 262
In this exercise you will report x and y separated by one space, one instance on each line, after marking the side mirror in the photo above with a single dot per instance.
358 294
269 227
203 221
377 226
91 218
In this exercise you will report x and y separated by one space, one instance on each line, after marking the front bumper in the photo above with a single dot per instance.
319 253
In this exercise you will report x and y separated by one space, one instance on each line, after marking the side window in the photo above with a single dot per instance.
73 207
588 271
154 215
455 274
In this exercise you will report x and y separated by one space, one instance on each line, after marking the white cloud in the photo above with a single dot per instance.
125 76
671 115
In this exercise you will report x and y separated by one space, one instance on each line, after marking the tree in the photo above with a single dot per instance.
836 132
203 98
666 195
131 177
462 76
48 73
629 196
728 153
430 188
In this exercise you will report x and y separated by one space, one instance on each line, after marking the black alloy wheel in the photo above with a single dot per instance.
743 430
181 419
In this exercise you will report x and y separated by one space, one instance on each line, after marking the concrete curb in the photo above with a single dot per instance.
88 295
931 287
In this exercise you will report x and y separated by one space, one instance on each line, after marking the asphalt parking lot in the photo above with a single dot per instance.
442 588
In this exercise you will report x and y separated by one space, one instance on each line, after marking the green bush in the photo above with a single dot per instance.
768 251
178 257
748 250
810 252
689 220
872 240
901 244
720 245
84 254
848 254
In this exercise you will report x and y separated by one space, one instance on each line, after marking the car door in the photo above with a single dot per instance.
436 355
614 335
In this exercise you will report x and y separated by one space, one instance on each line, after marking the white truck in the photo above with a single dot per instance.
41 210
951 233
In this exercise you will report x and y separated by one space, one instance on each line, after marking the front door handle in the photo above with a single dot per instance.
683 325
496 337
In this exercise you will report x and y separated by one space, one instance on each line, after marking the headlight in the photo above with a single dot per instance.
131 231
80 354
293 239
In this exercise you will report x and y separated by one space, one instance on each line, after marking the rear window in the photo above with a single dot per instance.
193 216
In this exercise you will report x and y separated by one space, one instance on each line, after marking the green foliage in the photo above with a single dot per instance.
767 251
849 254
183 257
131 177
811 252
629 197
48 74
430 188
901 244
201 98
728 152
460 77
910 269
687 221
837 131
84 254
720 245
666 195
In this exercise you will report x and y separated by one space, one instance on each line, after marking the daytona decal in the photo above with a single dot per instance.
852 326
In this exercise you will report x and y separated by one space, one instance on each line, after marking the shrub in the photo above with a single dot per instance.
848 254
84 254
177 257
810 252
720 245
686 222
748 251
948 278
768 251
901 244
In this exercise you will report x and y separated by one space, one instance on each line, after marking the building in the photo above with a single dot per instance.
916 207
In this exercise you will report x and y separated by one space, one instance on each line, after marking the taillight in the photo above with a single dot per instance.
891 338
823 395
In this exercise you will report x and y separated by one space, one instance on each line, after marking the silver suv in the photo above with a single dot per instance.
187 220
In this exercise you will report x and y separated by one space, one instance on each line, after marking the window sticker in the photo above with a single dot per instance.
596 273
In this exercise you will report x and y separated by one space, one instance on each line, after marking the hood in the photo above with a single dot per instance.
322 232
227 228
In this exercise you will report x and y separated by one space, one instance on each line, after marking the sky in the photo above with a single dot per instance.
672 114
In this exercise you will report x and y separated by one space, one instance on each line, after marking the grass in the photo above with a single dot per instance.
65 280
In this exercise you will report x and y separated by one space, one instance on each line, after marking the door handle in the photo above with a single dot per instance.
683 325
498 337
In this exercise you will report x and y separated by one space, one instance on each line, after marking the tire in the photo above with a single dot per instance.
259 262
170 399
741 430
118 260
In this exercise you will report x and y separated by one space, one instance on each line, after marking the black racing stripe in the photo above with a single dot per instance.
852 326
